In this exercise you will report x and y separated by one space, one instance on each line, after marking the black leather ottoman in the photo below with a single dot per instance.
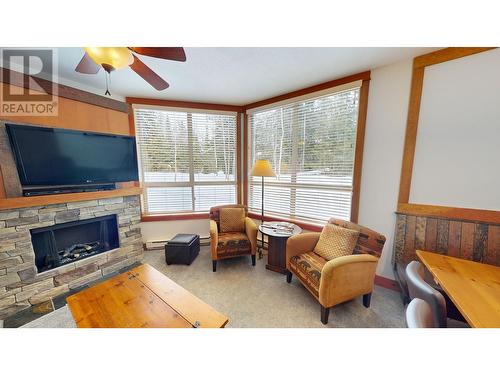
182 249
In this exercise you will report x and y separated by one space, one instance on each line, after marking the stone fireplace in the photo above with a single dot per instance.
47 251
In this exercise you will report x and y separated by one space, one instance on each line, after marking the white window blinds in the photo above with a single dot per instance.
187 159
311 146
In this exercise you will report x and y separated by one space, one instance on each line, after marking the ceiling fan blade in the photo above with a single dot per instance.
87 65
167 53
148 75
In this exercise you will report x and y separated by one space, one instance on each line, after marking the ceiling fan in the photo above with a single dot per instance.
111 58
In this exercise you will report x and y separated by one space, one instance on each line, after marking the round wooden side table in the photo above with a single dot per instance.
276 241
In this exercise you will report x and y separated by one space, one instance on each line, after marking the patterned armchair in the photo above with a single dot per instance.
340 279
229 244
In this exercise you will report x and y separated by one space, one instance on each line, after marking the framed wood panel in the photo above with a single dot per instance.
404 205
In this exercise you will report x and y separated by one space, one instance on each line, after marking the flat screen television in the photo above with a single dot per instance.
48 157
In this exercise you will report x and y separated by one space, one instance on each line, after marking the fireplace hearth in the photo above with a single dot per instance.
61 244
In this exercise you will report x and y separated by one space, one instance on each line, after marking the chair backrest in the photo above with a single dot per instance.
419 314
215 212
418 288
369 241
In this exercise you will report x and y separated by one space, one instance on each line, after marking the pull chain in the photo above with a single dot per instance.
108 83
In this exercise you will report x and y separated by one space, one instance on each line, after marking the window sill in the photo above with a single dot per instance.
307 226
172 217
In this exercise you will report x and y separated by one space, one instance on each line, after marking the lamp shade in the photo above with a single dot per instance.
117 57
262 168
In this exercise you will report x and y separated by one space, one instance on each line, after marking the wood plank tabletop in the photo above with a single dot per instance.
139 298
473 287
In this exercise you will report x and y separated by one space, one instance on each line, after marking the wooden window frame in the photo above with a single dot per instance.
360 135
191 105
404 206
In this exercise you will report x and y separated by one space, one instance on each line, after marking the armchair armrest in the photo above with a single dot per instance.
346 277
300 244
214 238
251 232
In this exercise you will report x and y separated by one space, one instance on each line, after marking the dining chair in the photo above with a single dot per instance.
418 288
419 314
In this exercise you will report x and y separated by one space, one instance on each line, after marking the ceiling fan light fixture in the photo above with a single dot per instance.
116 57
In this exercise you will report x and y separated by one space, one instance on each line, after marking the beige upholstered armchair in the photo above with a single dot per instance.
232 233
340 279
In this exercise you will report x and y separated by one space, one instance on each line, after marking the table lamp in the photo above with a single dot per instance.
262 168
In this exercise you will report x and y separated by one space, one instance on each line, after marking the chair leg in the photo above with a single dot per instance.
214 265
325 311
288 277
253 260
366 299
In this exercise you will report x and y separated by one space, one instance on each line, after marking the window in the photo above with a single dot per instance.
187 159
311 144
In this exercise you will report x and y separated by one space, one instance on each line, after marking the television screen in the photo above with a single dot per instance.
48 156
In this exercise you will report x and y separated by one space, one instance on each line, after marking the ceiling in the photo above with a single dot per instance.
234 75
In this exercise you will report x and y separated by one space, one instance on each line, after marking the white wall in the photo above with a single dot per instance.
384 138
458 148
383 151
165 230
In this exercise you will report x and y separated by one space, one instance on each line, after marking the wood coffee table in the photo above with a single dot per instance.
276 241
140 298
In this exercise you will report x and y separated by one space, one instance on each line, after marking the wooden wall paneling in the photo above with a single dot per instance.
492 255
431 234
358 156
467 240
399 240
18 79
411 222
486 216
79 116
443 229
420 229
480 242
454 238
11 184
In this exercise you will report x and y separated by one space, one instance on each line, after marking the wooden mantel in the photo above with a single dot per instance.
44 200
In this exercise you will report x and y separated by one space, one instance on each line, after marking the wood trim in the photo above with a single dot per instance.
417 82
306 226
245 159
239 198
419 64
475 215
44 200
131 120
358 156
184 104
2 187
446 54
187 216
364 76
18 79
384 282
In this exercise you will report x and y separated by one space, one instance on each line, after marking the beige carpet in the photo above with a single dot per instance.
255 297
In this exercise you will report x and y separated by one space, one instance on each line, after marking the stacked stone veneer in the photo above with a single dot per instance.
21 286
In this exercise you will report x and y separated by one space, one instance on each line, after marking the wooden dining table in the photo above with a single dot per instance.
473 287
